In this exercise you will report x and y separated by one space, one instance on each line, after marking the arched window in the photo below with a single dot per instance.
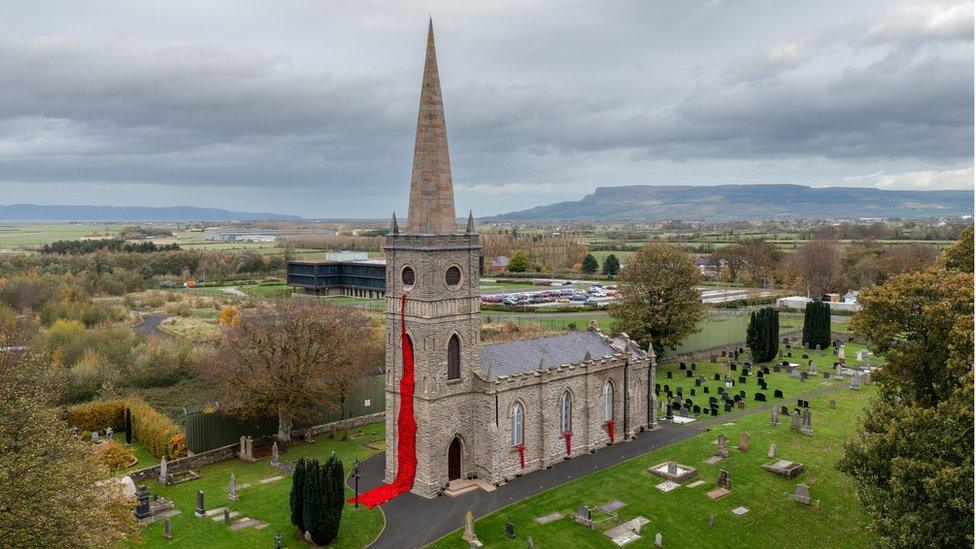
566 413
454 358
518 424
608 401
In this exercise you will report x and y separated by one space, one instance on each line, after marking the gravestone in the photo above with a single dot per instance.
867 377
167 529
741 405
772 450
669 414
658 540
714 411
227 517
232 488
802 494
722 449
108 433
275 455
509 530
724 479
838 373
689 373
529 544
693 392
705 390
774 418
777 393
718 377
583 516
681 366
696 409
833 404
826 375
469 535
732 367
744 442
697 383
784 410
795 421
201 510
856 381
94 436
728 406
163 476
742 379
668 374
143 509
813 368
807 428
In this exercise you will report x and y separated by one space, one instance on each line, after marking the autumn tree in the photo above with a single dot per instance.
760 257
732 258
818 262
659 300
959 257
51 489
913 460
287 357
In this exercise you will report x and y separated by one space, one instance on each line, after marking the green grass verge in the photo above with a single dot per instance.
266 502
682 516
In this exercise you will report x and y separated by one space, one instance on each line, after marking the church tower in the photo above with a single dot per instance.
432 269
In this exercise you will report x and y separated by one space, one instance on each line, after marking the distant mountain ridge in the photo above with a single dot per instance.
35 212
735 202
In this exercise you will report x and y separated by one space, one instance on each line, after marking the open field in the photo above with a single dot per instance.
682 516
19 237
266 502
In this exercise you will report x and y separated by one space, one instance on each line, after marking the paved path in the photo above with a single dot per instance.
150 326
413 521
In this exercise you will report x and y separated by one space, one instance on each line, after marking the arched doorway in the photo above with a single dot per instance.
454 460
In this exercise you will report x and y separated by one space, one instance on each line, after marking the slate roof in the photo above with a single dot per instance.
513 357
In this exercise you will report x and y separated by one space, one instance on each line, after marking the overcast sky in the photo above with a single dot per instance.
309 107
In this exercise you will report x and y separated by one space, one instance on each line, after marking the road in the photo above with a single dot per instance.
150 326
413 521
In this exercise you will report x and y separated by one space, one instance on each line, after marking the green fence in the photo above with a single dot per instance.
715 331
208 431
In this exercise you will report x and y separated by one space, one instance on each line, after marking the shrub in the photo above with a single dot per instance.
816 325
86 378
154 430
97 415
114 455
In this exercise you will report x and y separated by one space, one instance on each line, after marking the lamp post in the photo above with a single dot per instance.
355 476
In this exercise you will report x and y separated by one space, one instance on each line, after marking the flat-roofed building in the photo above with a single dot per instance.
365 278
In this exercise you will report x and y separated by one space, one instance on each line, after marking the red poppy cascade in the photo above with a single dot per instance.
406 430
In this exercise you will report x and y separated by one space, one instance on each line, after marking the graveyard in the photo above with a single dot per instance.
696 380
262 495
759 508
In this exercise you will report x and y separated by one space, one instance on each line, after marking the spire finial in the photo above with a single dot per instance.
470 229
394 228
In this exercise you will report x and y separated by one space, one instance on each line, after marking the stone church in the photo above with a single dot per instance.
487 412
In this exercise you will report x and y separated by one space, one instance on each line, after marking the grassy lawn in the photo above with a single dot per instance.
145 458
191 328
266 502
268 290
682 516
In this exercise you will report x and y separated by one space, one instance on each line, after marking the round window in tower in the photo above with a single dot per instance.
408 277
452 276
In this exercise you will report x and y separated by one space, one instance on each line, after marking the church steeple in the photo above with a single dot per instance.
431 190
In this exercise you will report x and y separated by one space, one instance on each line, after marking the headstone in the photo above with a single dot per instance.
772 450
784 410
705 390
227 517
167 529
724 479
693 392
711 520
741 405
777 393
163 476
833 404
856 381
529 544
668 374
509 530
232 489
275 455
722 449
795 421
697 383
813 368
681 366
718 377
250 448
714 411
201 510
94 436
658 540
669 414
838 375
826 375
802 494
142 508
689 373
774 418
108 433
728 406
807 427
867 377
760 397
744 442
469 535
696 409
582 513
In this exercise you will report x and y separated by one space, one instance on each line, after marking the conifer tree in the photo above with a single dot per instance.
297 497
816 325
128 426
590 264
762 335
312 499
611 265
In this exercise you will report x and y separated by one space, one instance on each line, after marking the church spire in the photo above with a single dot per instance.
431 191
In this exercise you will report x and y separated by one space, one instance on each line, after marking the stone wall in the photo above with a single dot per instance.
191 462
349 423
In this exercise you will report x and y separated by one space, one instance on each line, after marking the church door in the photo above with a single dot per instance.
454 460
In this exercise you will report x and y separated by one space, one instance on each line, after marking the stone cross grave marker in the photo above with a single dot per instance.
275 454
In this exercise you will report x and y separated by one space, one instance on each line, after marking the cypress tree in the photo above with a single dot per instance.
312 499
816 325
297 497
762 335
333 499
